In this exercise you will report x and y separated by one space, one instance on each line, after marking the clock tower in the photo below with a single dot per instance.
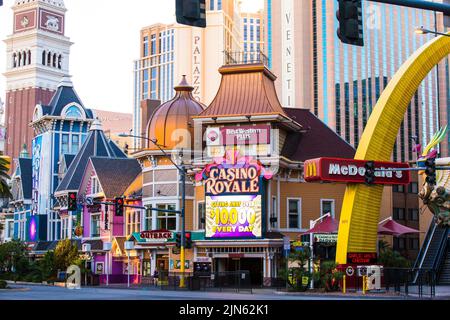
37 59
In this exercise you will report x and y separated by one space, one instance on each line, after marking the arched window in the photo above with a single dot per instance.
24 57
19 60
54 60
14 60
73 112
29 57
44 55
49 59
60 62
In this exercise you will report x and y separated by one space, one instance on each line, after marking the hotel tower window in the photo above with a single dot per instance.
273 213
294 214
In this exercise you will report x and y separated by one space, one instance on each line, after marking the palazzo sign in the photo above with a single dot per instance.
353 171
233 197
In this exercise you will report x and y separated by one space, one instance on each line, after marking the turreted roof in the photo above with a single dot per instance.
175 114
96 145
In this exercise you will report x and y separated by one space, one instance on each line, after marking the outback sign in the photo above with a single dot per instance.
353 171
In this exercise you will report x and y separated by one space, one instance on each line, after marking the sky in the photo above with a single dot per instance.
106 42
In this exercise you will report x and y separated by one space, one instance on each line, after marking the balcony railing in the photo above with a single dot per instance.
247 57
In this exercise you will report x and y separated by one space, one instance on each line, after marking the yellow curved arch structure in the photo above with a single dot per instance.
360 213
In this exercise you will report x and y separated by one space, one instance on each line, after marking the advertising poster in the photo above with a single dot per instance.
234 197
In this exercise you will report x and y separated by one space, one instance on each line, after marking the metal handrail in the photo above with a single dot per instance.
425 245
441 252
245 57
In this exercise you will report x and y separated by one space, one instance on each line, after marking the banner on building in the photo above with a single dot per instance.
233 190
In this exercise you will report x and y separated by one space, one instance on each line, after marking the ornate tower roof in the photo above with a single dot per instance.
96 145
173 115
56 3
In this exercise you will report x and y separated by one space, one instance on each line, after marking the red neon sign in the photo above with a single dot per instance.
352 171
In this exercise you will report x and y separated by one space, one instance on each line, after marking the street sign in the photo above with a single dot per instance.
89 201
287 243
350 271
353 171
362 271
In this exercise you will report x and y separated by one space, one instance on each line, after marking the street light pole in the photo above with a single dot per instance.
182 171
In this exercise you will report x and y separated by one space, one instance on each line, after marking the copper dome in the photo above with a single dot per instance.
167 120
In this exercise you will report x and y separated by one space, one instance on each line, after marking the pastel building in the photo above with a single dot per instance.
253 31
168 51
22 196
61 129
95 144
101 224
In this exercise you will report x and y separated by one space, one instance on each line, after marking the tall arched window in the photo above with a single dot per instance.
49 59
14 60
24 57
44 55
29 57
19 60
54 61
60 62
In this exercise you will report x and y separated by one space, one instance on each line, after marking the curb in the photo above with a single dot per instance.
29 283
15 290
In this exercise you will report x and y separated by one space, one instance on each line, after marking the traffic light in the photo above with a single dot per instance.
191 12
178 239
370 172
350 16
72 202
188 240
430 171
118 206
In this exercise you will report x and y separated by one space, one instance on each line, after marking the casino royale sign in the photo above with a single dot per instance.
233 197
232 180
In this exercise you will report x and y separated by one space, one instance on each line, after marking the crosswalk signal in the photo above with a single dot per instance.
178 240
350 16
191 12
369 176
188 240
118 206
72 202
430 171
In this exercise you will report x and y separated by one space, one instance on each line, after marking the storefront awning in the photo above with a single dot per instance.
392 228
327 225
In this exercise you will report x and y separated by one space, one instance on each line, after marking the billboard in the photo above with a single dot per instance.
234 197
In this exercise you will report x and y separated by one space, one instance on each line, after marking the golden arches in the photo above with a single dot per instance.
358 226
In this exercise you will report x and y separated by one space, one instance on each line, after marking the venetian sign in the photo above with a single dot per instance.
353 171
233 197
156 234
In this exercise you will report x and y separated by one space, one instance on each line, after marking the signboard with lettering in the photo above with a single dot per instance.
233 197
353 171
325 237
362 258
156 234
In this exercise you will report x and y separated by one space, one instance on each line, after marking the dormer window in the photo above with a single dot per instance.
73 112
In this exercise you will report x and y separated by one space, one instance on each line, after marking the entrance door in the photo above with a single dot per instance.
253 265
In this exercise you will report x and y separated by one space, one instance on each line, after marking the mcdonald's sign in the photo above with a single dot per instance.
353 171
